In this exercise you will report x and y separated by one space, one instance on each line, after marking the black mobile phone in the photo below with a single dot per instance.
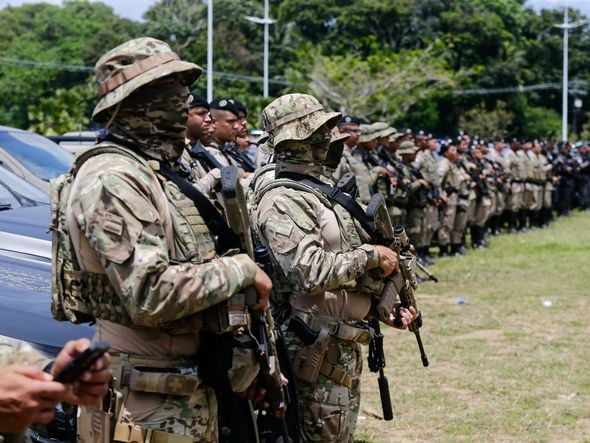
82 362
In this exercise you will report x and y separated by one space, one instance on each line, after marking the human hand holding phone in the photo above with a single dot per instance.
85 368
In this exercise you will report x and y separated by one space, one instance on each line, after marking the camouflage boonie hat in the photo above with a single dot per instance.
134 64
382 129
338 136
393 137
295 117
407 148
368 133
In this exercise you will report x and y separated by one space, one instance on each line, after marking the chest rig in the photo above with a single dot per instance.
80 296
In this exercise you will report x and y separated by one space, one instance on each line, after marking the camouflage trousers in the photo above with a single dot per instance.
416 226
328 411
192 416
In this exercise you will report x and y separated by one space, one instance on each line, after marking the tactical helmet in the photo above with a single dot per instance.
132 65
295 117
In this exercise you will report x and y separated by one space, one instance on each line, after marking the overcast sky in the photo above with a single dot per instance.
134 9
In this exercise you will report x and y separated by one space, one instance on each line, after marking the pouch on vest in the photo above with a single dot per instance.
171 381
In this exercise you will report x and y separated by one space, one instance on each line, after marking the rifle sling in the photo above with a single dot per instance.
335 195
204 157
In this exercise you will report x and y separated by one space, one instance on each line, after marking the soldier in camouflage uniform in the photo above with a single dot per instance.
428 166
353 163
514 204
321 257
145 265
27 393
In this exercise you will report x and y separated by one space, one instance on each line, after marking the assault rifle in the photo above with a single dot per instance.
404 283
262 330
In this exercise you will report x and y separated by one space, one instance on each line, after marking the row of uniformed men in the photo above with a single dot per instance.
140 251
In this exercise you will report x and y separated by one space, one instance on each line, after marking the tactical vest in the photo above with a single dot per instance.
349 238
80 296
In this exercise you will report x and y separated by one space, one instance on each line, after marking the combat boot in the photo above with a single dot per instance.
456 249
522 216
423 254
475 236
512 222
443 250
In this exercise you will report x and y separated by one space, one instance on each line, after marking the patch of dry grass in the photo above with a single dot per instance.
503 367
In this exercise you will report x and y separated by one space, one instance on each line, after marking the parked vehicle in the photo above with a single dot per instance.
25 298
75 142
16 192
32 157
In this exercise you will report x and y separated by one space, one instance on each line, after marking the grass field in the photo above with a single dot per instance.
510 364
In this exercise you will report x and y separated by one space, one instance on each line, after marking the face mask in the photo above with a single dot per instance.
319 142
154 118
334 154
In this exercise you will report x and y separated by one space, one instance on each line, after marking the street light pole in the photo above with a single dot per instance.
265 62
566 26
209 50
266 21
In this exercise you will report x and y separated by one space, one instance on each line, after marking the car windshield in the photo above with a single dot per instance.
16 192
41 156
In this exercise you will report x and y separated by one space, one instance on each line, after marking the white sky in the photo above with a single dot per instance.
134 9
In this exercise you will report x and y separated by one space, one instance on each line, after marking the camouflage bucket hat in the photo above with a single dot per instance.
382 129
295 117
134 64
407 148
337 136
368 134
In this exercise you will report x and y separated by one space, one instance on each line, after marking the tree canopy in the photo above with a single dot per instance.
438 65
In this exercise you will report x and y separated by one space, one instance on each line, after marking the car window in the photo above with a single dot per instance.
41 156
17 192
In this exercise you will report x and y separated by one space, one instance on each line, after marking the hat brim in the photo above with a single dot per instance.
302 128
365 138
189 71
340 137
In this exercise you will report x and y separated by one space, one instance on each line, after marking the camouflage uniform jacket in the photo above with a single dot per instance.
320 250
428 166
364 177
517 166
128 222
19 354
450 177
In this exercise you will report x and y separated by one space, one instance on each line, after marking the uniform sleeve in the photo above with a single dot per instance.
115 213
20 353
207 182
442 171
288 223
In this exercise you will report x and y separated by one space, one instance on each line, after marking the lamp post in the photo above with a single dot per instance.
209 50
566 26
264 21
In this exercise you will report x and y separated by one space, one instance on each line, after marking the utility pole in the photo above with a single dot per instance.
266 21
209 50
566 26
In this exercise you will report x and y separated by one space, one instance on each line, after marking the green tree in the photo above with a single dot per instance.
65 110
487 123
382 86
42 47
